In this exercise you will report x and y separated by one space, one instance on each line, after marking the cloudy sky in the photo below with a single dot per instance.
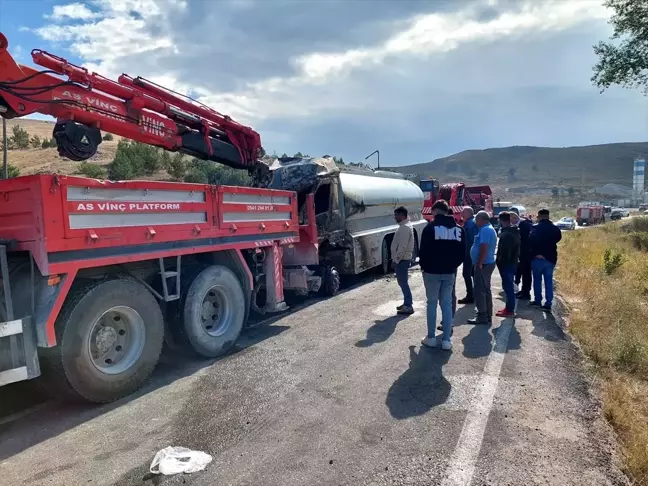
415 79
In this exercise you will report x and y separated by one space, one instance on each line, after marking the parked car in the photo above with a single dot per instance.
617 214
566 223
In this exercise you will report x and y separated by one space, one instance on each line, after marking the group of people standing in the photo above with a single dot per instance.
523 253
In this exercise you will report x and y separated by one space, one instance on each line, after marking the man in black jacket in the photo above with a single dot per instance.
508 253
524 267
441 252
543 239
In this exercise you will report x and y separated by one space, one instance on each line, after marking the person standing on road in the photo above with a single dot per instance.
543 239
508 253
470 229
402 248
482 253
441 252
523 273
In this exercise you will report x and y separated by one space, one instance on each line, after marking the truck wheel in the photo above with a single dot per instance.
330 281
385 264
214 311
110 337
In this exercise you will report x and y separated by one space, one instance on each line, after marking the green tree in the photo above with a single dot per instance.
134 159
93 171
19 138
623 60
52 143
45 143
571 191
298 154
108 137
12 171
204 172
284 155
177 167
35 142
555 192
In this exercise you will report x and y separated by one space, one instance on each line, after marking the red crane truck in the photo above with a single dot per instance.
457 195
95 275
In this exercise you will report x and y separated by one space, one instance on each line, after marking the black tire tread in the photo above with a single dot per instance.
57 374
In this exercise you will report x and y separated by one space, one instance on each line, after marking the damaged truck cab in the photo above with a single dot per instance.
353 211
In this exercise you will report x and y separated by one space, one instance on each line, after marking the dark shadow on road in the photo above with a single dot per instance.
478 342
381 331
422 387
53 416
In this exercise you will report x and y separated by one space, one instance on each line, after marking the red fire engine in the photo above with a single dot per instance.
101 273
457 195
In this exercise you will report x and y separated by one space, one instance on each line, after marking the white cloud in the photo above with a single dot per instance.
72 11
398 77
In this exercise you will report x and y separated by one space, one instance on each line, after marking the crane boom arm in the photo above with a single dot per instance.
134 108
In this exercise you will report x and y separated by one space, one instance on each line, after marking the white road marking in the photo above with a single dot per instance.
464 458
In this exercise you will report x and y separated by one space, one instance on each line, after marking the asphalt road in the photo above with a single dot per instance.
340 392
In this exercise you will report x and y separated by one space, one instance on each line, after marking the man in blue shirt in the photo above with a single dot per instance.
482 254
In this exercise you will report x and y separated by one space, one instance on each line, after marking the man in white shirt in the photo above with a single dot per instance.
401 252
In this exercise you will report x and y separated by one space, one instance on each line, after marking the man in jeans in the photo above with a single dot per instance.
482 253
508 253
442 251
543 240
470 229
401 252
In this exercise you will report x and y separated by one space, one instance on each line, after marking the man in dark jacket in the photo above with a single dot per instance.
508 254
441 252
543 239
470 230
523 273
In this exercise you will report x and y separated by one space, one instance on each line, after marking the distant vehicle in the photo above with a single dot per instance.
625 212
589 215
643 207
518 209
566 223
616 214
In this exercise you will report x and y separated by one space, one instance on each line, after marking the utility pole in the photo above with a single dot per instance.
375 152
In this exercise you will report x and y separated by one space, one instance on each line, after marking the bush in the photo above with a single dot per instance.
202 171
45 144
12 171
35 142
177 168
93 171
612 261
20 138
134 159
108 137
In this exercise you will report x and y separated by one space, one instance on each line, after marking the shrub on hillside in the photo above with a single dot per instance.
19 139
177 168
93 171
134 159
45 144
201 171
12 171
36 142
108 137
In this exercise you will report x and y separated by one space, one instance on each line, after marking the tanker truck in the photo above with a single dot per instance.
354 213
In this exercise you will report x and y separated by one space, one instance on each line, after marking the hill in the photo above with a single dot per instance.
536 168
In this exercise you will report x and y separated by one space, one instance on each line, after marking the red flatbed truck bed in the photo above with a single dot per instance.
102 271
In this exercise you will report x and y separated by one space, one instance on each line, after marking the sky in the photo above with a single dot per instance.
414 79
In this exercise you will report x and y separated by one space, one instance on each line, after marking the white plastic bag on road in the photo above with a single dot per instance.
175 460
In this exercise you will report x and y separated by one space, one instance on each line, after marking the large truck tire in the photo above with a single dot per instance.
385 263
214 311
330 282
110 336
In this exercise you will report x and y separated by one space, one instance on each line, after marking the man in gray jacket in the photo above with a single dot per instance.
402 248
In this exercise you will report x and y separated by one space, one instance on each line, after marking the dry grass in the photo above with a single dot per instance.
47 161
604 276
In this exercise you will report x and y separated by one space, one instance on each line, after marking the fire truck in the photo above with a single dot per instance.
97 275
457 195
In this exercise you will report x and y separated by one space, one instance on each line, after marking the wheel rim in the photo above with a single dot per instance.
216 313
116 340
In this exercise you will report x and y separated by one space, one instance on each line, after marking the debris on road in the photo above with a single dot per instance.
175 460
